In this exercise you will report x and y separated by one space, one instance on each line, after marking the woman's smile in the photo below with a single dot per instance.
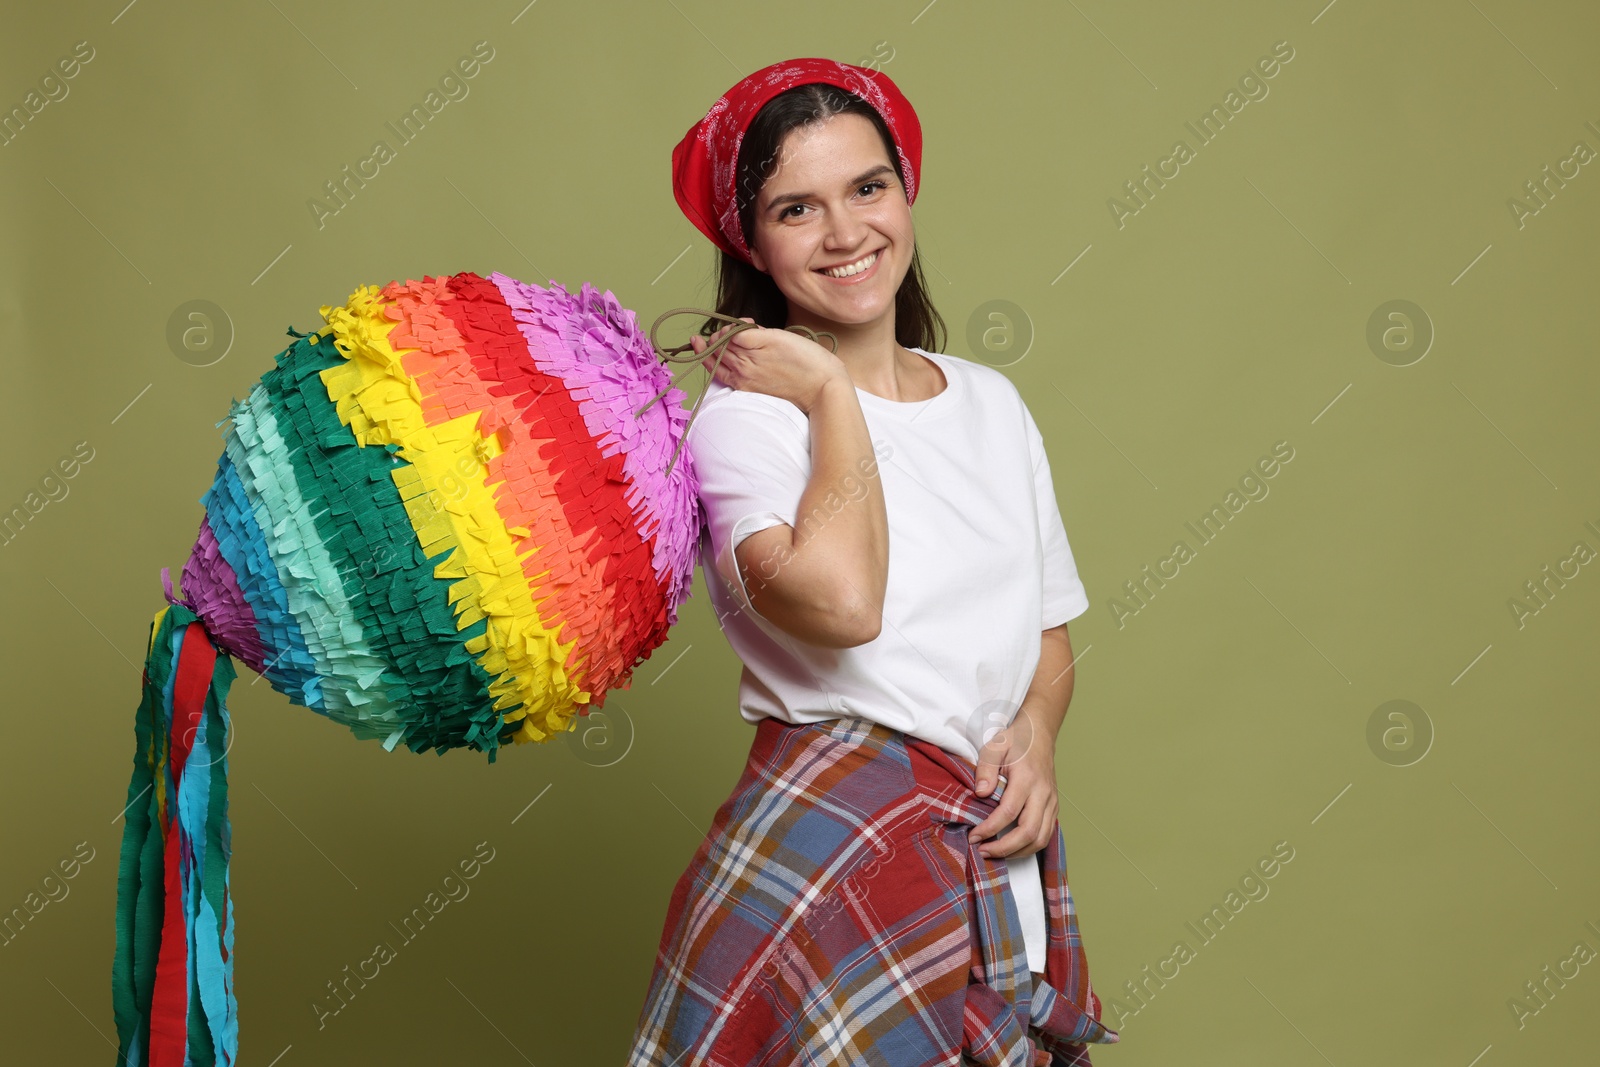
861 269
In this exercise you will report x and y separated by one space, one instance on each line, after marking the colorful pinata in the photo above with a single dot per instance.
449 518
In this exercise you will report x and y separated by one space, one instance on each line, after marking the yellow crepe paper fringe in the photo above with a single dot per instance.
383 405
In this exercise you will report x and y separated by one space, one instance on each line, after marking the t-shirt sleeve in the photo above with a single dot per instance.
753 462
1064 596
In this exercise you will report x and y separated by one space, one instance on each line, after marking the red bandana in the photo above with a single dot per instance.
703 163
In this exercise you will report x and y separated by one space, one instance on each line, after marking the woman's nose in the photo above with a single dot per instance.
845 231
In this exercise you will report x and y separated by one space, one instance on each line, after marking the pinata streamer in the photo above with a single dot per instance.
448 518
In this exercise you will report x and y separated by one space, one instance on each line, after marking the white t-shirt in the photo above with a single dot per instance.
979 564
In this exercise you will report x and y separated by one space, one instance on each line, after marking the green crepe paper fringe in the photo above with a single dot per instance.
212 1017
401 607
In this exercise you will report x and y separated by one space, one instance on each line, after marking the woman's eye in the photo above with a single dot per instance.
784 213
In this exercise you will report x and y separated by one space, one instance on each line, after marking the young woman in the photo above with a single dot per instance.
886 556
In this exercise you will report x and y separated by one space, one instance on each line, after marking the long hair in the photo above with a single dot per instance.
742 290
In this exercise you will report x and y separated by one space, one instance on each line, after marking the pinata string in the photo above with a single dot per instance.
677 354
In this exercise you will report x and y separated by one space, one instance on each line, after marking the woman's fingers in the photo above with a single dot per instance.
1036 824
702 345
718 361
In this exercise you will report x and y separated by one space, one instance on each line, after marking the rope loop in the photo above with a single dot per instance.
685 353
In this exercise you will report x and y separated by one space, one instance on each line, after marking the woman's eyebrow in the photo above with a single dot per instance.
881 168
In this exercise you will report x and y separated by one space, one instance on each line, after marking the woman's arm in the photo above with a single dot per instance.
1051 690
824 583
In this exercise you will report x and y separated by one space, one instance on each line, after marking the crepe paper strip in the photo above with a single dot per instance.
608 365
172 976
402 607
460 379
605 586
453 511
243 547
220 600
596 349
354 687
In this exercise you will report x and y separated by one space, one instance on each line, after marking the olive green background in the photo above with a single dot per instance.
1229 714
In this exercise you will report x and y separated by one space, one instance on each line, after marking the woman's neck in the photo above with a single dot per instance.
875 361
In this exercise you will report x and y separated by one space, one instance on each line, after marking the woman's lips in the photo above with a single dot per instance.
858 276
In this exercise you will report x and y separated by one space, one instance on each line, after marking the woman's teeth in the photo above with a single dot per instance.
852 268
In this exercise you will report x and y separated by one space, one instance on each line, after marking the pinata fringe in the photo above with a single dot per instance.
172 976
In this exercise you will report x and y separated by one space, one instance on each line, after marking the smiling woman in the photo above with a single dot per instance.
895 578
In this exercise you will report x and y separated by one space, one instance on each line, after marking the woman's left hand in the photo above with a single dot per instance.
1027 757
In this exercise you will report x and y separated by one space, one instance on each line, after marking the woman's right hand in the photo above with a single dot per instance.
779 363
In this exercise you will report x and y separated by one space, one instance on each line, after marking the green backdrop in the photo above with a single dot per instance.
1439 905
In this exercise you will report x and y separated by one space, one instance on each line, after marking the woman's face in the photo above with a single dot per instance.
832 201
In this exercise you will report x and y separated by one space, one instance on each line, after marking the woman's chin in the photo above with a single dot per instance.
844 310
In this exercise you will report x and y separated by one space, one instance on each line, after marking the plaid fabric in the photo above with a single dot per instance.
835 914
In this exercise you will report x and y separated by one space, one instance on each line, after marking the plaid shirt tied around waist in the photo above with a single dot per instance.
836 914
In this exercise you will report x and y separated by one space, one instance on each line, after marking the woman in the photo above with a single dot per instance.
894 574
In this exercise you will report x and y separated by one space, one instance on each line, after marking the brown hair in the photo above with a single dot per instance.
743 290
